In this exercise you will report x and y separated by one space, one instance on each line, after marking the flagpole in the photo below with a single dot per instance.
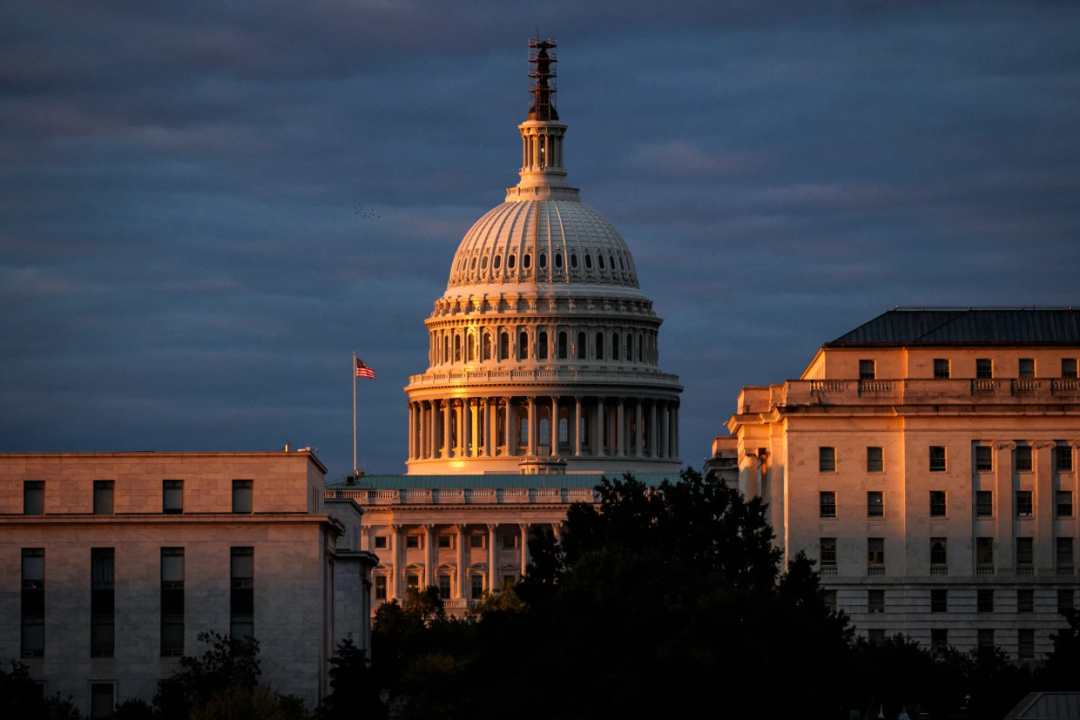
355 472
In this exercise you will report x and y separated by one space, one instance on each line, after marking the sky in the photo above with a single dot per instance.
207 206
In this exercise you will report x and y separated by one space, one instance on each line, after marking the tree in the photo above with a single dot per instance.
354 689
22 699
1060 670
228 663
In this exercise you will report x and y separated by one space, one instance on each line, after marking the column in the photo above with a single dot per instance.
665 445
1003 513
675 433
489 428
508 421
620 430
524 547
491 581
430 558
446 429
365 539
459 586
599 447
639 421
532 427
467 428
412 431
553 426
395 571
652 429
557 528
577 426
1042 463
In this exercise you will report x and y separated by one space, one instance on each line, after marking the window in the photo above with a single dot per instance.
1064 600
476 541
939 551
509 580
830 600
242 596
485 348
875 636
985 639
937 458
1068 367
101 700
640 355
444 583
380 542
1025 554
985 601
875 601
470 346
509 542
172 496
1025 648
446 541
34 497
412 582
599 346
875 461
582 346
241 496
1064 504
1025 601
573 260
1027 368
984 551
826 459
526 261
103 497
939 641
937 503
875 504
1065 553
876 551
588 261
380 587
33 602
511 262
984 503
102 602
1023 458
984 368
941 369
504 346
457 348
562 346
542 346
827 504
477 587
412 542
984 458
542 259
939 601
827 551
867 369
1063 458
600 261
615 346
172 601
1023 503
558 260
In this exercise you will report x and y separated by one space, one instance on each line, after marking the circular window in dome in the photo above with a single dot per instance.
510 262
483 263
542 260
573 260
497 262
588 261
558 260
473 266
611 261
600 259
526 261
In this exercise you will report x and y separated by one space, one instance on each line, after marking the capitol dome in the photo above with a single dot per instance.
543 354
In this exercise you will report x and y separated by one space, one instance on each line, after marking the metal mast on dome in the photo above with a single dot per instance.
542 79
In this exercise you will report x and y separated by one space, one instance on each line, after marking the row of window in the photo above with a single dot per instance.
984 459
984 552
472 263
939 600
984 368
412 581
628 347
938 507
476 540
172 497
939 640
103 600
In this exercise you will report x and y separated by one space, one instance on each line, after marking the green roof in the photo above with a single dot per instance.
454 482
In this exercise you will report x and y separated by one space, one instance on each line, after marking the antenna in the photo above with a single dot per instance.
542 79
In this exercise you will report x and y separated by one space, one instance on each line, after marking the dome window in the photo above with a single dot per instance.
483 263
542 259
611 262
621 266
510 262
573 260
600 259
558 260
497 262
588 261
526 261
473 266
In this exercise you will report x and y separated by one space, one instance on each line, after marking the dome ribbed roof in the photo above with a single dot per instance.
543 241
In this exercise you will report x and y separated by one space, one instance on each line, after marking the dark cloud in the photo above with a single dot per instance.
182 263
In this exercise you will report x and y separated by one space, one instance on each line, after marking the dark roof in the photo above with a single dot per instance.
1047 706
459 482
968 326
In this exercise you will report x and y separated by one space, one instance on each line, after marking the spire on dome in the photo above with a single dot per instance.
542 79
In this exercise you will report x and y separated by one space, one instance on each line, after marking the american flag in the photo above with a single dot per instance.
363 371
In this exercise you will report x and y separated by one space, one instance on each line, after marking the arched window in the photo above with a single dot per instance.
588 261
542 346
611 262
473 265
615 346
486 352
629 347
639 355
523 430
457 348
504 346
542 260
526 261
510 262
573 260
600 260
446 349
483 263
544 439
582 346
523 345
599 346
563 430
558 260
472 348
562 346
497 262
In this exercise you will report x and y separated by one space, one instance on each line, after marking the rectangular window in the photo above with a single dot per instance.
34 497
875 504
827 551
984 458
939 641
444 587
1025 553
476 541
412 542
875 551
412 582
867 369
875 601
1025 601
875 460
509 542
985 601
830 600
477 587
380 542
1027 368
937 503
1065 553
172 496
1023 503
380 587
33 602
1068 367
939 549
827 504
101 700
939 601
985 639
941 369
1025 648
509 580
875 635
446 541
172 601
1063 458
827 459
102 602
241 496
984 368
1064 504
984 551
242 598
937 458
1064 600
1023 458
984 503
103 497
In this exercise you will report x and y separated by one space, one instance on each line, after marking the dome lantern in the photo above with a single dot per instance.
542 171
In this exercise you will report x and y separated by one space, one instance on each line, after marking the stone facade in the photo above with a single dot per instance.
295 567
932 476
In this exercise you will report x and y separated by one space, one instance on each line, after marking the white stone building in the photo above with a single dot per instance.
113 563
